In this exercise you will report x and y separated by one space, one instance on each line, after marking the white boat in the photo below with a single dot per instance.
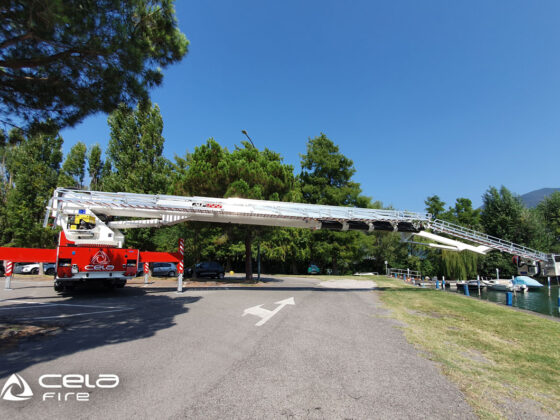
502 285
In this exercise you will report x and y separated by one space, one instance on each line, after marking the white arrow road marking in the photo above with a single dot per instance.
265 314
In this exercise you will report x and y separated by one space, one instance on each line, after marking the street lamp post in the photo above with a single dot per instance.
259 243
247 135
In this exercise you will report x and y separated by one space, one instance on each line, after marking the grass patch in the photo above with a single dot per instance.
506 362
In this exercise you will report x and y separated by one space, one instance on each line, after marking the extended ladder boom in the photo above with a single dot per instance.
115 211
160 210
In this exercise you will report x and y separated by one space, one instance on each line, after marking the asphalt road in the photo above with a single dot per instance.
336 353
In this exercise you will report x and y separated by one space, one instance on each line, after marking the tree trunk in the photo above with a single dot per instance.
294 267
248 256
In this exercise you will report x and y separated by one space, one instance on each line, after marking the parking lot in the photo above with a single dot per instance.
286 347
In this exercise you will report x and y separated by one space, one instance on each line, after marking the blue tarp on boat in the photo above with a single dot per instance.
528 281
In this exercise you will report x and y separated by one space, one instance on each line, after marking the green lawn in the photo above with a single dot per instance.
506 362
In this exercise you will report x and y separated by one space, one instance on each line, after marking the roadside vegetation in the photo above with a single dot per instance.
506 362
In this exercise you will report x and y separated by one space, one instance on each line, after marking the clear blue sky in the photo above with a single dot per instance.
426 97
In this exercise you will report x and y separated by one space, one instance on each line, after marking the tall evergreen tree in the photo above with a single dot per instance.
434 206
35 165
135 161
135 152
95 166
64 60
73 168
326 178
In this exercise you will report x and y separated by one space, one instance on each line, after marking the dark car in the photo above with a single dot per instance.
208 269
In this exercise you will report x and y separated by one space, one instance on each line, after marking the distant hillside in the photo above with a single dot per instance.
531 199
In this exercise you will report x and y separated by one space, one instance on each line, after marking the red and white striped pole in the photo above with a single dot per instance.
9 267
180 266
146 272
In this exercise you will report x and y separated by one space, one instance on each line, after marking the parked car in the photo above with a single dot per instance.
211 269
313 269
18 267
33 268
159 269
1 268
164 269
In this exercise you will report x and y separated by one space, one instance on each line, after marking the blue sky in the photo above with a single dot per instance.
426 97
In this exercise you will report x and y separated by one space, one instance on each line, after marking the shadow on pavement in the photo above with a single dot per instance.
144 316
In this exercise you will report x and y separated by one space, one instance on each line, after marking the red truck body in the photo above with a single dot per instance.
83 264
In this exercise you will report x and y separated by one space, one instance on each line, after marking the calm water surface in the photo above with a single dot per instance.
543 299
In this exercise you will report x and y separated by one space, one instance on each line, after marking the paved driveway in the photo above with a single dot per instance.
321 352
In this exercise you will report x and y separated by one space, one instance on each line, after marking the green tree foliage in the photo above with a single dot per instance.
73 168
34 166
326 178
549 211
63 60
134 155
134 160
434 206
95 166
505 217
463 214
459 265
246 172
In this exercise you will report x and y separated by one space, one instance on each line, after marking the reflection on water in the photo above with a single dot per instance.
543 299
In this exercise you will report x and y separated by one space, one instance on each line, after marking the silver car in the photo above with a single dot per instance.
34 269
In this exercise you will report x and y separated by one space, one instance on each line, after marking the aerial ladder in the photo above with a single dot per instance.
91 238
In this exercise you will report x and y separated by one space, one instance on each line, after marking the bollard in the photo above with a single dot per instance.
509 298
548 282
437 284
443 282
180 267
146 273
478 284
9 268
466 287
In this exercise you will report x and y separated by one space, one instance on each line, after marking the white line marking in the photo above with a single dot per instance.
265 314
106 309
84 313
60 304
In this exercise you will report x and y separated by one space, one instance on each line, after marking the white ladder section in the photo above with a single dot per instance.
480 238
166 209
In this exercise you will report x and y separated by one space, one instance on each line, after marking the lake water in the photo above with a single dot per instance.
543 299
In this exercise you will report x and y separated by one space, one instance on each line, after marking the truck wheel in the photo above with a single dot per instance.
58 287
